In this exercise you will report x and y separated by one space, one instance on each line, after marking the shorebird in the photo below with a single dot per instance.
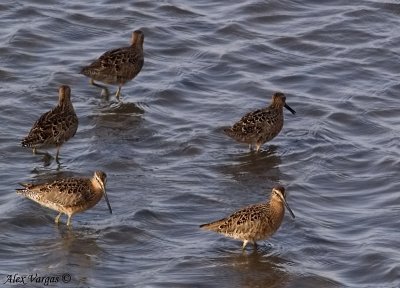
260 126
254 222
117 66
68 195
54 127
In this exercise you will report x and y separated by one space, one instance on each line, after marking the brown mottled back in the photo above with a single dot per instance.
254 222
260 126
68 195
119 65
56 126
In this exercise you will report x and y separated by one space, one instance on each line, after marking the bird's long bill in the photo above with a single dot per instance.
290 109
108 202
288 208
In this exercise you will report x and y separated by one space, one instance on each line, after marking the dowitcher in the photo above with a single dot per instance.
68 195
54 127
117 66
260 126
254 222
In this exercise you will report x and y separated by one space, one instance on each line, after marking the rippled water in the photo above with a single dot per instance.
170 167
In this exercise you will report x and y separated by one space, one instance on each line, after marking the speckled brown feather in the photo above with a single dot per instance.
119 65
68 195
56 126
260 126
69 192
254 222
257 126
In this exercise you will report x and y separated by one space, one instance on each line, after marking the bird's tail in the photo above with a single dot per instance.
27 142
85 71
89 71
213 226
229 132
22 191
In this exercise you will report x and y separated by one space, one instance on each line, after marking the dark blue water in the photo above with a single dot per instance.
169 165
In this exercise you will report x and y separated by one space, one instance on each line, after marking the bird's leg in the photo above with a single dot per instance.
34 150
244 244
118 93
69 220
57 220
258 147
105 89
58 152
251 147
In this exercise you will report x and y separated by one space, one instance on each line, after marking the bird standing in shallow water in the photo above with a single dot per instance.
254 222
117 66
54 127
260 126
68 195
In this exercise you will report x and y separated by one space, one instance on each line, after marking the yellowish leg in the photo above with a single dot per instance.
57 220
244 244
100 86
118 92
34 151
69 220
258 147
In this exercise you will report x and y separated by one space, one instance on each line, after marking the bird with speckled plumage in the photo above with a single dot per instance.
254 222
117 66
68 195
54 127
260 126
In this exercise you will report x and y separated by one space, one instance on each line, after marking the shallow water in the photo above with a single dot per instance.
170 167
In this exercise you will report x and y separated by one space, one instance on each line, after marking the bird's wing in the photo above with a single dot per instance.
41 129
240 222
64 126
64 192
249 123
117 60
